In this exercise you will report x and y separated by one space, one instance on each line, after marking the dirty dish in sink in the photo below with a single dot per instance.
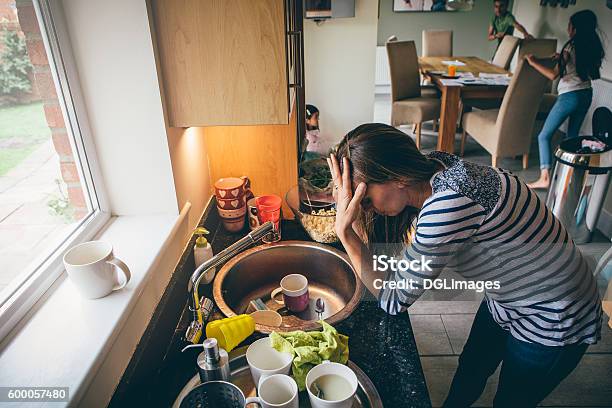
267 318
367 396
264 360
334 288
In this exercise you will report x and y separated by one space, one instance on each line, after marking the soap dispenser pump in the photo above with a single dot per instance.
202 252
213 362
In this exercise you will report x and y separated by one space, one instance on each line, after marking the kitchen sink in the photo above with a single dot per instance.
255 272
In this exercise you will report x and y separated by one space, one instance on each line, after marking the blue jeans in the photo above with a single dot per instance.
573 105
528 374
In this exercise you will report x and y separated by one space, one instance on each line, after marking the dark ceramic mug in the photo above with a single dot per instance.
295 292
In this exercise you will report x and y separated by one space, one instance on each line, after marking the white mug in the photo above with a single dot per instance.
276 391
91 267
265 361
345 400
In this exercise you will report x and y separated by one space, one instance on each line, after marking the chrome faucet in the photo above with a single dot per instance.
194 331
251 238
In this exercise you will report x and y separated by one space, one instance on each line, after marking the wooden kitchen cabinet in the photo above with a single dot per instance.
227 62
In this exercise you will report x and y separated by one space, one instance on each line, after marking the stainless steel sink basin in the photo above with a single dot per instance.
257 271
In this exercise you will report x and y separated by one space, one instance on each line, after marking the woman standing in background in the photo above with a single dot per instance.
578 64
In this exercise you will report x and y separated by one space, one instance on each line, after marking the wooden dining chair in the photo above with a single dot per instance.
505 51
502 58
506 132
437 43
541 48
409 104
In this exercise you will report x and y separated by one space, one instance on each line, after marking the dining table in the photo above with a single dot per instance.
454 94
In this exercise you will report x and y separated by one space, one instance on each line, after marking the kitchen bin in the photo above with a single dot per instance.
578 186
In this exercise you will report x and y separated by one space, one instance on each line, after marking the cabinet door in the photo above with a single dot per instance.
223 62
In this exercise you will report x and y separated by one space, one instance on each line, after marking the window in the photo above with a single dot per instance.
50 195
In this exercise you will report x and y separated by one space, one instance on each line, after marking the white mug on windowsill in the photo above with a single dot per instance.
91 267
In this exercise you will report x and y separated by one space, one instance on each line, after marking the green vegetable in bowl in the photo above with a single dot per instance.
316 173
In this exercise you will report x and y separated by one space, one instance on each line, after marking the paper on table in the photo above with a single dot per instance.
455 63
472 81
450 82
498 81
492 75
465 74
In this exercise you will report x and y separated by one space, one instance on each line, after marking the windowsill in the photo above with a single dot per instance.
65 339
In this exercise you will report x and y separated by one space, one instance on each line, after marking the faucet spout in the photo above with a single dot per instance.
223 256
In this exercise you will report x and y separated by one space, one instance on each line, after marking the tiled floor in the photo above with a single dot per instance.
442 327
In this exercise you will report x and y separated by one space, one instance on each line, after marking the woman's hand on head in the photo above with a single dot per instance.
347 203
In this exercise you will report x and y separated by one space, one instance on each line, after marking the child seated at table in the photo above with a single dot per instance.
315 140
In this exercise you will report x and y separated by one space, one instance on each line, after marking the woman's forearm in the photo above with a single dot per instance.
550 73
361 260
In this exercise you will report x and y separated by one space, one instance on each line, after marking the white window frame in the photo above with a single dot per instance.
29 288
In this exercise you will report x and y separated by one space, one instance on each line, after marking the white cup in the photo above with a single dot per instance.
327 368
276 391
91 267
265 361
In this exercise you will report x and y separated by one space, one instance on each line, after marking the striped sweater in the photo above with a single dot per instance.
484 224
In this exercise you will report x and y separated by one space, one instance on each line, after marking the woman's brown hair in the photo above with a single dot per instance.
377 154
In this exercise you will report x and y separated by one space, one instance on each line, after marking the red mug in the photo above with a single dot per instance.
231 203
233 187
233 220
269 202
295 292
269 209
232 214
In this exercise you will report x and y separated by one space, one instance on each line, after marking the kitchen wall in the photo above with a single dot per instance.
340 60
147 167
469 28
190 169
114 58
551 22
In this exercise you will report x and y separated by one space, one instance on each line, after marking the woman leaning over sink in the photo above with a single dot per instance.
487 225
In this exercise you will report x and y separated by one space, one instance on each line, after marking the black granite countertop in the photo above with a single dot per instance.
383 346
